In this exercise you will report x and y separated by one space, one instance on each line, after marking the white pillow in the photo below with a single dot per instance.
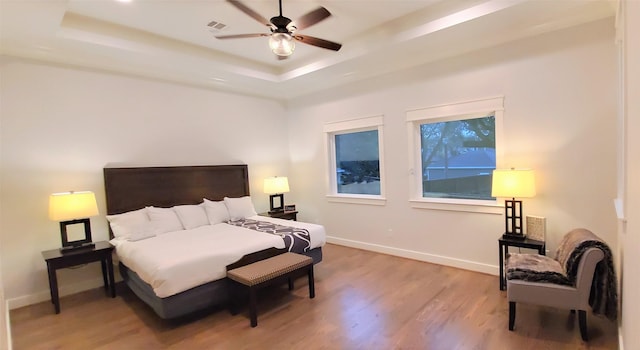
240 208
216 211
130 223
192 216
144 233
164 220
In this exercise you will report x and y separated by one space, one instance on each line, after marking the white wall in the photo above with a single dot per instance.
61 126
5 332
560 112
630 235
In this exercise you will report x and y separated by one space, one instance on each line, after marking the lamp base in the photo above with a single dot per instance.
514 236
273 208
77 247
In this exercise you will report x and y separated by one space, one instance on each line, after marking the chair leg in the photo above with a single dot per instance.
582 320
512 314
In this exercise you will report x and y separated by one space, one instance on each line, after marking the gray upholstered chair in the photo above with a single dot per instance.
574 296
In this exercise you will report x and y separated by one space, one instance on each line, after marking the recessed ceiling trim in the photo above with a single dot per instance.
89 30
445 22
457 18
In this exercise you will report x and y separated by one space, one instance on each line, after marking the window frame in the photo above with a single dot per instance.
443 113
332 129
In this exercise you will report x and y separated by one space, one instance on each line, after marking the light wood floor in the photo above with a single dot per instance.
364 300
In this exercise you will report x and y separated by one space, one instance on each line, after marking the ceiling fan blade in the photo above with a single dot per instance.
240 36
325 44
312 18
253 14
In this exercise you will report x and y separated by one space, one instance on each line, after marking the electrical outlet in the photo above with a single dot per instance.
536 227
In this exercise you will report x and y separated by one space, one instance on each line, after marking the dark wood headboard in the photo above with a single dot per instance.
131 188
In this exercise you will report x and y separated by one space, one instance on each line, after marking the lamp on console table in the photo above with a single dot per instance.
71 208
276 186
512 183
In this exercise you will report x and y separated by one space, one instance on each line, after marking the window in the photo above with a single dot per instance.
453 149
355 164
458 157
358 162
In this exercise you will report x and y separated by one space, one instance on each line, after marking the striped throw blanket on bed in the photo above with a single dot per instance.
296 240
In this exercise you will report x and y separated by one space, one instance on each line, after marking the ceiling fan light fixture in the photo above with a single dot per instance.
284 31
282 44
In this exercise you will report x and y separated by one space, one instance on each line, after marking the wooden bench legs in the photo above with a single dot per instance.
312 287
276 269
253 291
253 307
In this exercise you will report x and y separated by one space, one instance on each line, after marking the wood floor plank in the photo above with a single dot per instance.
364 300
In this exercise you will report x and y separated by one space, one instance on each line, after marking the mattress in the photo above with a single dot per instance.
205 296
177 261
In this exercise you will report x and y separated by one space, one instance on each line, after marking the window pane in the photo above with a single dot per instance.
358 163
458 158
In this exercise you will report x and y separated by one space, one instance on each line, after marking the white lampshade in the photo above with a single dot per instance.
282 44
72 205
276 184
513 183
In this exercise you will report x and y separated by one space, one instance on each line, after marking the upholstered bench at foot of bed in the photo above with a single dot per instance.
270 271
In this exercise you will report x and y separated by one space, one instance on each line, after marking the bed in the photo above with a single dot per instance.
182 271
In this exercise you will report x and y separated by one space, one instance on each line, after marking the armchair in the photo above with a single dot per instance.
575 280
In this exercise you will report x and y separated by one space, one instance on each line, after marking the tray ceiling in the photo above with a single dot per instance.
170 40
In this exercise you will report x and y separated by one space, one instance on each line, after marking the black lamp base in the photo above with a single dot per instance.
273 208
64 237
515 236
513 220
77 247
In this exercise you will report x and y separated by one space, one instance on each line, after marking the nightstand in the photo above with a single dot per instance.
505 242
287 215
57 260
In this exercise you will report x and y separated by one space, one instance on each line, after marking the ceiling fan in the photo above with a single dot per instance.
284 31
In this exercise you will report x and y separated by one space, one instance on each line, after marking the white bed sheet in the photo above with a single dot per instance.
177 261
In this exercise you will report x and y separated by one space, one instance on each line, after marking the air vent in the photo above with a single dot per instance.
216 26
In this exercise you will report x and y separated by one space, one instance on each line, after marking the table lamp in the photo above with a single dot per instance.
71 208
513 183
276 186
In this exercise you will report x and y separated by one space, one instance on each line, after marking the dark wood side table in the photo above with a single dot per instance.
504 243
57 260
287 215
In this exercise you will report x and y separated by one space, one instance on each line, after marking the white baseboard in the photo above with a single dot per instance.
415 255
7 319
25 300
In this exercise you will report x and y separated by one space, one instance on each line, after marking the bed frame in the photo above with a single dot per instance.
132 188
